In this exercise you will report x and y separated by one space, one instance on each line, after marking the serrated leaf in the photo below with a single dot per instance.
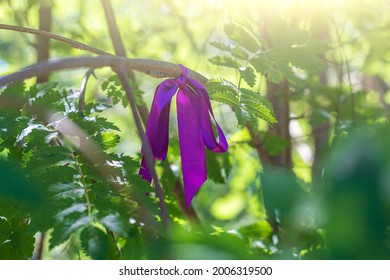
223 92
91 108
73 208
16 89
235 51
92 125
256 106
107 140
64 228
248 75
242 37
46 156
11 127
116 223
264 66
55 174
95 243
22 241
67 191
225 61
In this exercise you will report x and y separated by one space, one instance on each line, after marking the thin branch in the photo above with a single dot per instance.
147 149
154 68
120 50
72 43
116 38
83 88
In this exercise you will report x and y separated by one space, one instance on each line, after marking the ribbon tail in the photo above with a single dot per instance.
193 155
157 128
207 130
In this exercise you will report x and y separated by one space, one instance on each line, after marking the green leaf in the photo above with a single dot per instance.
65 227
235 51
116 223
224 92
47 156
242 37
22 241
257 105
95 243
5 230
113 87
248 75
15 89
15 185
107 140
264 65
226 61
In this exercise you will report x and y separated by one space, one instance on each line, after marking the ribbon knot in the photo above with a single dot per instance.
182 80
194 117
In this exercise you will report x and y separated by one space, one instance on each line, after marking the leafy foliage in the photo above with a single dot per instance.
77 199
247 105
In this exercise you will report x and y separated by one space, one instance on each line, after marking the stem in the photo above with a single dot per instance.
84 184
147 149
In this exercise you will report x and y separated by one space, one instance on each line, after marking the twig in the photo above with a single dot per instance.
72 43
83 88
154 68
147 149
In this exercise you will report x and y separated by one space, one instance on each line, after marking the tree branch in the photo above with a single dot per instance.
116 38
154 68
72 43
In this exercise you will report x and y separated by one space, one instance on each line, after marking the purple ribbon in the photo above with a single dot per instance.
194 125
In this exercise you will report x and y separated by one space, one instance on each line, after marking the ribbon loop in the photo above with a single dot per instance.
194 126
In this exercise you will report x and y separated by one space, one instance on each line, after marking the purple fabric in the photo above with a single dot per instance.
194 125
